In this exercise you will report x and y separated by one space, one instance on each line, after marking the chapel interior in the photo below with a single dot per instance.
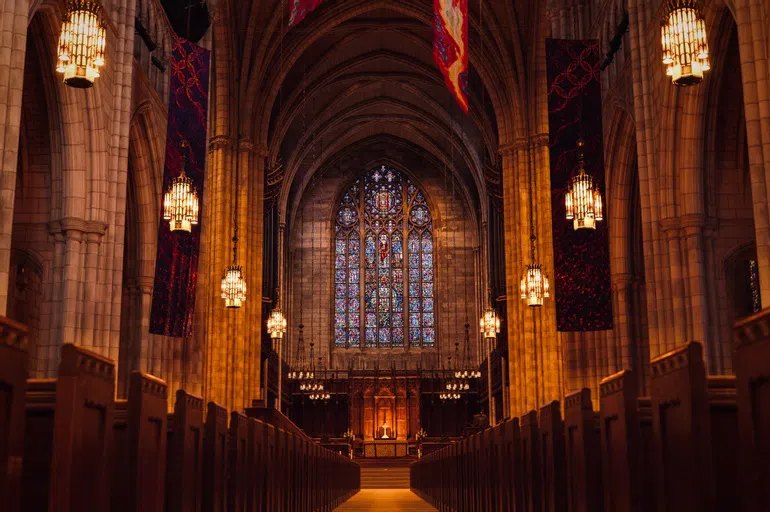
316 255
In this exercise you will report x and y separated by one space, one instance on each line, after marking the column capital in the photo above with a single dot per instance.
77 228
221 142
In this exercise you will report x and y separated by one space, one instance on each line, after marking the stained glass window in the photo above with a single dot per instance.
385 298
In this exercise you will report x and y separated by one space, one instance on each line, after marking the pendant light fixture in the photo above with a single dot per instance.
449 394
684 42
534 283
583 200
82 41
276 324
180 203
489 324
233 281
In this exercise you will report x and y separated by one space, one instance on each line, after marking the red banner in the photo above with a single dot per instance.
300 9
450 46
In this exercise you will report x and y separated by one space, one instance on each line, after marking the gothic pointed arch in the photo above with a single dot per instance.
384 276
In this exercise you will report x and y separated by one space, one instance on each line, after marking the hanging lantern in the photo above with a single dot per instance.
180 203
489 323
684 42
276 323
534 285
82 40
583 199
233 287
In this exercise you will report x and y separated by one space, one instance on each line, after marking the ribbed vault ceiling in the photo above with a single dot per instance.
358 76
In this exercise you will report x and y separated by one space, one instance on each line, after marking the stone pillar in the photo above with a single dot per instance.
13 46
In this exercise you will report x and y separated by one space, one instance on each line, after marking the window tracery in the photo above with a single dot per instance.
384 297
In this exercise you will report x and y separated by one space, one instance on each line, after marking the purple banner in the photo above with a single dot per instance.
581 257
176 265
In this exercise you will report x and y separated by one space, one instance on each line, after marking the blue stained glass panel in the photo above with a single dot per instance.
339 290
354 290
354 337
398 302
414 336
354 305
354 319
427 319
414 319
427 289
427 242
414 288
340 261
339 276
385 337
339 305
427 304
398 337
427 260
354 275
340 336
398 320
414 242
371 320
341 246
384 318
384 291
414 304
429 336
339 320
371 337
414 260
427 274
371 252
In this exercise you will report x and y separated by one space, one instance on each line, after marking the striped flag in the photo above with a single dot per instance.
450 46
300 9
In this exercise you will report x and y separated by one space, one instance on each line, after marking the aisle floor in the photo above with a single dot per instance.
390 500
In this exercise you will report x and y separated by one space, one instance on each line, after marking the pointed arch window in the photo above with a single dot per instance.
384 264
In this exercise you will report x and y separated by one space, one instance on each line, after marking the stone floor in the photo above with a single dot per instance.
390 500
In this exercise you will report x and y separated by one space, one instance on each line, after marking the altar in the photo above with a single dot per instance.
385 448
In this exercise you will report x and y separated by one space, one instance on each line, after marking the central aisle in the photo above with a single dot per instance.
391 500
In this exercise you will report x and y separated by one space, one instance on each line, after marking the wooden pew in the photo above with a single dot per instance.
552 448
139 446
530 465
694 425
215 459
511 466
257 462
184 460
13 387
751 362
626 437
68 435
239 474
583 455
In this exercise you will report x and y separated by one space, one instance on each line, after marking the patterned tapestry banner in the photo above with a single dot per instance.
450 46
300 9
581 258
176 265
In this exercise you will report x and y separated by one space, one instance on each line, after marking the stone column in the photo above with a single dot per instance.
13 46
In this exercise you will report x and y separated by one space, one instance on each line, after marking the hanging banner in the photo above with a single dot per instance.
300 9
450 46
581 257
176 264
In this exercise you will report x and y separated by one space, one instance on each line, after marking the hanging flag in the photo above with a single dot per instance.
176 263
450 46
300 9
